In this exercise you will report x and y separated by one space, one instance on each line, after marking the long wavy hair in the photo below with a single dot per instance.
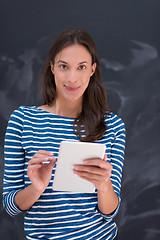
91 119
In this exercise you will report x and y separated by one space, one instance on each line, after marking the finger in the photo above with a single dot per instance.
31 168
92 177
41 156
43 152
97 162
35 166
40 159
50 165
91 169
95 181
105 157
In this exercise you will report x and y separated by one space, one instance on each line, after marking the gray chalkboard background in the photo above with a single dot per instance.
127 35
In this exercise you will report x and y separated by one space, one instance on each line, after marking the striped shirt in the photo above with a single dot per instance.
58 215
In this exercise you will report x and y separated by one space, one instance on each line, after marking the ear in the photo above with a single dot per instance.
52 67
93 68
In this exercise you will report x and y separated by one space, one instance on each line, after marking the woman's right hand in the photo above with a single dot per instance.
40 173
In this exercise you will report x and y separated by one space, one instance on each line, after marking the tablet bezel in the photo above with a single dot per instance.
71 153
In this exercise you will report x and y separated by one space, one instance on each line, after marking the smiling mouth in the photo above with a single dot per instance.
71 89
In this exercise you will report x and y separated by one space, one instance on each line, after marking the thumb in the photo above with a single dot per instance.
51 164
105 157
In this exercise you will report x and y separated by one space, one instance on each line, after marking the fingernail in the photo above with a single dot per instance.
50 153
76 167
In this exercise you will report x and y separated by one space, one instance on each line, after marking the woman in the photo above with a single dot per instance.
75 108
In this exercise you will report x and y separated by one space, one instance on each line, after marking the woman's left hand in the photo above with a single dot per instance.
97 171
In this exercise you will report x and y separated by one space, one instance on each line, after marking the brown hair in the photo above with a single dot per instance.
94 106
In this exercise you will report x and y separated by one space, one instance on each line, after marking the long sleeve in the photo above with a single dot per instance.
117 159
117 155
60 215
14 162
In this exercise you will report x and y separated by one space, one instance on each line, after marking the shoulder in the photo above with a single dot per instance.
22 109
114 121
21 112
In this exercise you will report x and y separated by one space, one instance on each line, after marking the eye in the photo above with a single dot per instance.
63 66
82 67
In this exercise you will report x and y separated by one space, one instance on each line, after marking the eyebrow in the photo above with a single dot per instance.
61 61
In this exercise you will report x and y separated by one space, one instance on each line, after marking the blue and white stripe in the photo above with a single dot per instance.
58 215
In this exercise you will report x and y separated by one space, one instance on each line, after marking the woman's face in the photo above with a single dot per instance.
72 71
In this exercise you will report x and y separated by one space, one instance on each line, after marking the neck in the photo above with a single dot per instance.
67 109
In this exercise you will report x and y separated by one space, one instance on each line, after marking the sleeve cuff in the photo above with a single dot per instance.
10 205
111 216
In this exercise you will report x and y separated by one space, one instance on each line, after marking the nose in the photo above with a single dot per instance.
72 76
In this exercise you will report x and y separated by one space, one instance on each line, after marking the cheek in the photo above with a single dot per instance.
86 83
87 79
58 77
85 76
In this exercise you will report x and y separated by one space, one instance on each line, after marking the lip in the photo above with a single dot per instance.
71 89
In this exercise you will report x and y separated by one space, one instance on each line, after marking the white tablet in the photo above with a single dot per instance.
71 153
